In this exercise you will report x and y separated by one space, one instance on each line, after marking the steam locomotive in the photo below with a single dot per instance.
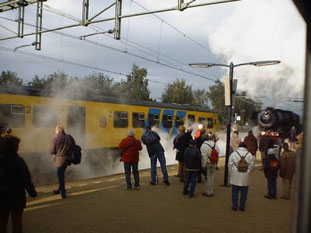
277 120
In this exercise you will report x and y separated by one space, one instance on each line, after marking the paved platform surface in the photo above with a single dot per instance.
104 205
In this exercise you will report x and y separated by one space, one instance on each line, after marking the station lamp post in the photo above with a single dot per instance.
231 66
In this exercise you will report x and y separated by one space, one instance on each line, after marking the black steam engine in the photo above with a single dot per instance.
277 120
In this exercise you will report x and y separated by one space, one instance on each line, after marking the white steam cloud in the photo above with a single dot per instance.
264 30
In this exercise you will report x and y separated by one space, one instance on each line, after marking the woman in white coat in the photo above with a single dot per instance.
240 180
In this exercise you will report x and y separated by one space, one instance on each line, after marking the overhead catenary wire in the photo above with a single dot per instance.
97 29
182 33
126 52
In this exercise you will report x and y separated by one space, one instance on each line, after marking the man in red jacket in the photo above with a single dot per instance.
130 148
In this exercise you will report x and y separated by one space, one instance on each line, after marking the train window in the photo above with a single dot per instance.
167 121
44 117
179 121
210 123
202 121
191 120
120 119
154 120
138 120
102 122
12 115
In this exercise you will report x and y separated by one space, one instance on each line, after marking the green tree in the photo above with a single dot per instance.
96 83
200 98
57 81
37 82
178 92
216 96
10 78
136 85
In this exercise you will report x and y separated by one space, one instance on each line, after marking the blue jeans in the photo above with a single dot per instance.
127 171
61 178
153 159
271 187
235 195
191 178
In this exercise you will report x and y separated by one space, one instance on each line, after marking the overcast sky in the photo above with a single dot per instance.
238 32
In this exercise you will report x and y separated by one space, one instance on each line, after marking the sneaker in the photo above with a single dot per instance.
166 182
129 189
152 183
234 209
268 197
205 194
137 187
64 195
56 191
242 209
191 195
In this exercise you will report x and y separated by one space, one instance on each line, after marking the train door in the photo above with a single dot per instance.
179 120
76 123
167 120
153 118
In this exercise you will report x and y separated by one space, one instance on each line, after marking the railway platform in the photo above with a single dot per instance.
104 205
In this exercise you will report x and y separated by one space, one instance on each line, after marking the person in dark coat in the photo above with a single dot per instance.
271 174
192 159
251 143
156 152
130 147
14 180
62 147
264 145
181 143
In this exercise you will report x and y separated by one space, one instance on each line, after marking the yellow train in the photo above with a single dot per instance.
95 122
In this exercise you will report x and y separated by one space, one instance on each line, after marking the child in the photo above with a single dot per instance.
192 160
271 167
14 179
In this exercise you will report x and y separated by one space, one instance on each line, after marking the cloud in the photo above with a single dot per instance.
264 30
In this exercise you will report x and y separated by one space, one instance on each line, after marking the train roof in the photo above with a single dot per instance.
69 94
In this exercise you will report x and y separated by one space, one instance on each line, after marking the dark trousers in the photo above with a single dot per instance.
127 171
16 217
61 179
271 183
191 179
235 196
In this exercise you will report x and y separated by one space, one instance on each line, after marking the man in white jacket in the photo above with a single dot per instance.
240 180
210 168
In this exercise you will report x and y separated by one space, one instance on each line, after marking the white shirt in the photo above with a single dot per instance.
236 177
206 150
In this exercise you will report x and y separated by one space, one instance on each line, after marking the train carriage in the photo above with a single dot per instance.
96 122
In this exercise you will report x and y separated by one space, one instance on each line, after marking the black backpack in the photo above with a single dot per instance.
76 155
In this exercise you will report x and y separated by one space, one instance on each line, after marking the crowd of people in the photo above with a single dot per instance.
197 155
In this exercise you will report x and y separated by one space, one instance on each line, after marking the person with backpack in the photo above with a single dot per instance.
62 147
181 143
192 159
271 167
156 152
240 164
210 154
15 178
130 148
